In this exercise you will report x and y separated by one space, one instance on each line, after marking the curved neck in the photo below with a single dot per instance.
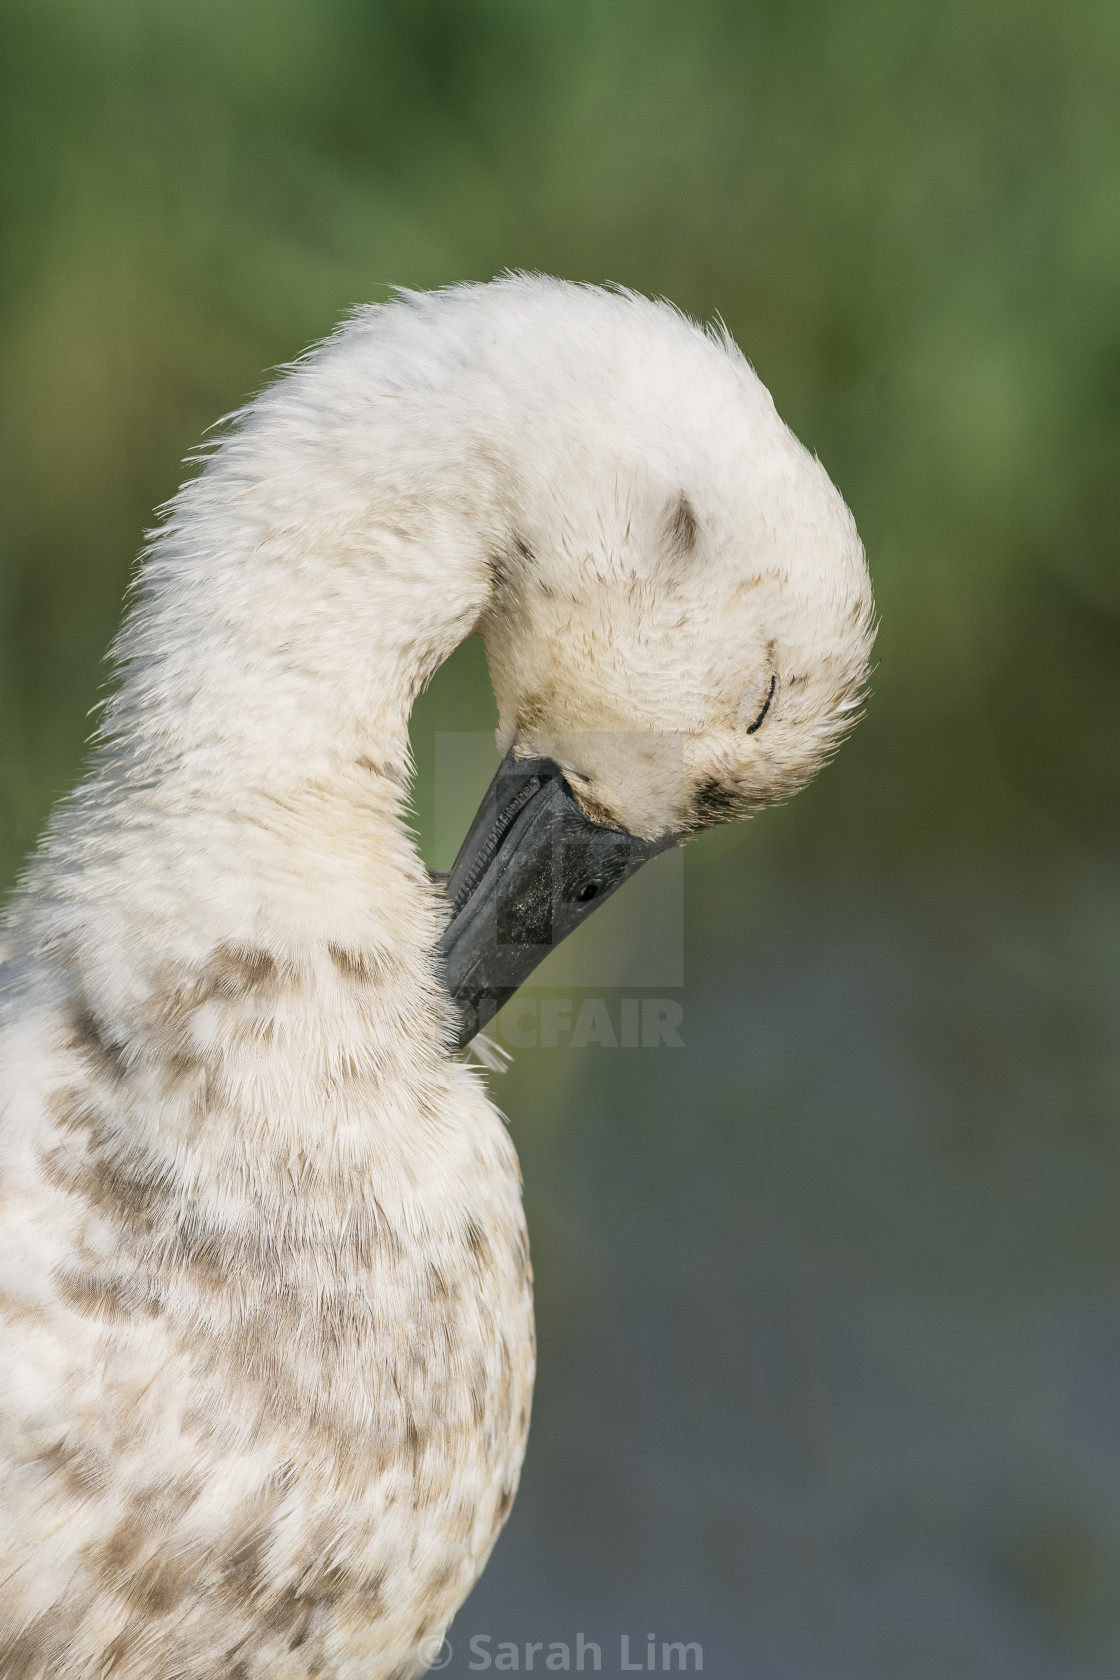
247 788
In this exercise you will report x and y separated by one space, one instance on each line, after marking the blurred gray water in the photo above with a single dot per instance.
830 1358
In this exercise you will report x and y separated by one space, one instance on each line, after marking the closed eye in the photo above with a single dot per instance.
752 728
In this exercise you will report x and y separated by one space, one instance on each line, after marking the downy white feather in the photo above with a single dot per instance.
266 1344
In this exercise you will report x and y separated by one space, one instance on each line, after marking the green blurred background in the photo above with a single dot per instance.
829 1299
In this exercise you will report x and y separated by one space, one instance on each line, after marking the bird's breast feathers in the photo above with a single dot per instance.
251 1398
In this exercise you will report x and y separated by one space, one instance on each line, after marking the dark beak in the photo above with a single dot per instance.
532 869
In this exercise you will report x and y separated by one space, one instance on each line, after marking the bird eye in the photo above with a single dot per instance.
750 698
589 890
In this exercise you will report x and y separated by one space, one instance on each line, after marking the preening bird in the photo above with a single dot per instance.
266 1340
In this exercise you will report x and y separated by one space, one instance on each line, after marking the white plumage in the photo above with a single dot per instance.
266 1346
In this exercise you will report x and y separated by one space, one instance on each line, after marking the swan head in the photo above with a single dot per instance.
682 615
701 662
681 618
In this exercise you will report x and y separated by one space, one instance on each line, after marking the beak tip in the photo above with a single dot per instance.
533 866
